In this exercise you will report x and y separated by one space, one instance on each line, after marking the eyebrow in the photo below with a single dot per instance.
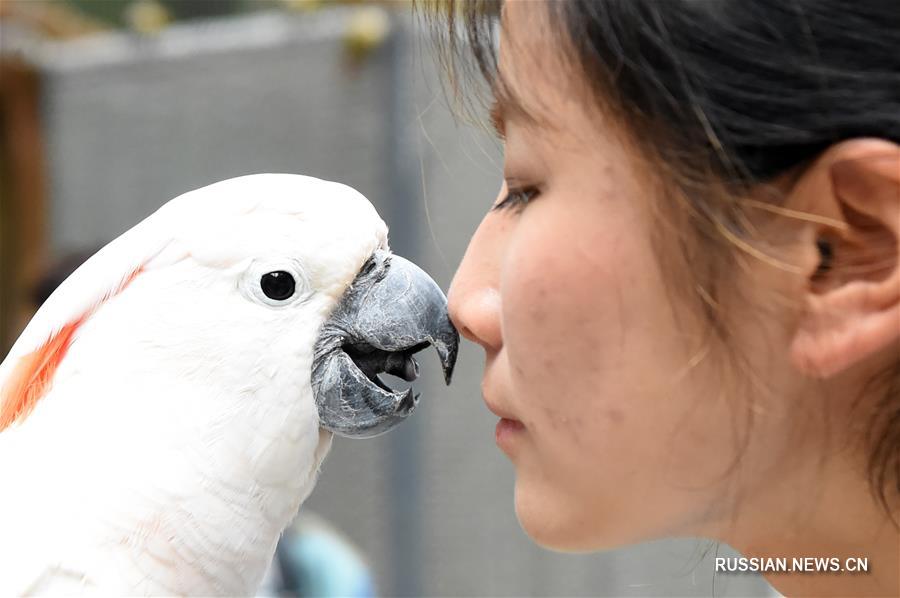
506 107
497 117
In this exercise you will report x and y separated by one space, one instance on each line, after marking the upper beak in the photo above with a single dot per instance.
392 310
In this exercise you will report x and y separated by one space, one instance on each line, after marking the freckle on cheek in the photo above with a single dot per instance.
571 427
520 371
615 416
575 431
552 417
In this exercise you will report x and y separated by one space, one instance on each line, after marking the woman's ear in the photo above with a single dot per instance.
852 297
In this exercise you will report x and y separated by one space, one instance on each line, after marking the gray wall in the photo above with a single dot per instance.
132 122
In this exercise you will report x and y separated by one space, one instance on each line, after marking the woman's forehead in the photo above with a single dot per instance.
526 47
537 86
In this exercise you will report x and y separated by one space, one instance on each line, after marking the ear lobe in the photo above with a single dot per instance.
852 307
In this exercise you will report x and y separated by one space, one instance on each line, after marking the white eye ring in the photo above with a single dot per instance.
252 282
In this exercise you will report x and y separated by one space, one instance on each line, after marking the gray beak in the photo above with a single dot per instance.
392 310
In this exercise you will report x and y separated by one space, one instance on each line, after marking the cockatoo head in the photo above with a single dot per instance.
174 389
269 285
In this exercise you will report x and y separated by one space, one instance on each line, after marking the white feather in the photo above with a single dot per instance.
179 436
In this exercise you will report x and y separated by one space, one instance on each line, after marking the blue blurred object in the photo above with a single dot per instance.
314 559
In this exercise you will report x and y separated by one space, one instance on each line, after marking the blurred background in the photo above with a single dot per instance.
109 108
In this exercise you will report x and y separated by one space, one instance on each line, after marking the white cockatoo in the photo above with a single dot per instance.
165 413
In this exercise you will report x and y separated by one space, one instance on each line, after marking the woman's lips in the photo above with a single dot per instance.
508 428
506 432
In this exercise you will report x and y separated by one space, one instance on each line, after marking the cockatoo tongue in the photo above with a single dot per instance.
392 310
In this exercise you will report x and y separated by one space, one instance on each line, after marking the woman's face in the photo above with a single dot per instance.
617 431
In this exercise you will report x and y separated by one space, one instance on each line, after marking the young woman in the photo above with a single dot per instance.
688 289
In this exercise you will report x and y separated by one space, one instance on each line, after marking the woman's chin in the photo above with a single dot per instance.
555 525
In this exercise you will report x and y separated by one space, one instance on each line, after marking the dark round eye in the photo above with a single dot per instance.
278 285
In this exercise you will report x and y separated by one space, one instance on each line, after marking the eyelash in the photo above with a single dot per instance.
517 198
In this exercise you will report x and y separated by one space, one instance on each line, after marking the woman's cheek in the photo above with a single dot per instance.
563 308
570 292
561 339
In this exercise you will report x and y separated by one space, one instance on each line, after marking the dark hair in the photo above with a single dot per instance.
727 94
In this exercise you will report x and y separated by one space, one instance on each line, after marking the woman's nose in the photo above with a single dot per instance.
476 314
474 296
